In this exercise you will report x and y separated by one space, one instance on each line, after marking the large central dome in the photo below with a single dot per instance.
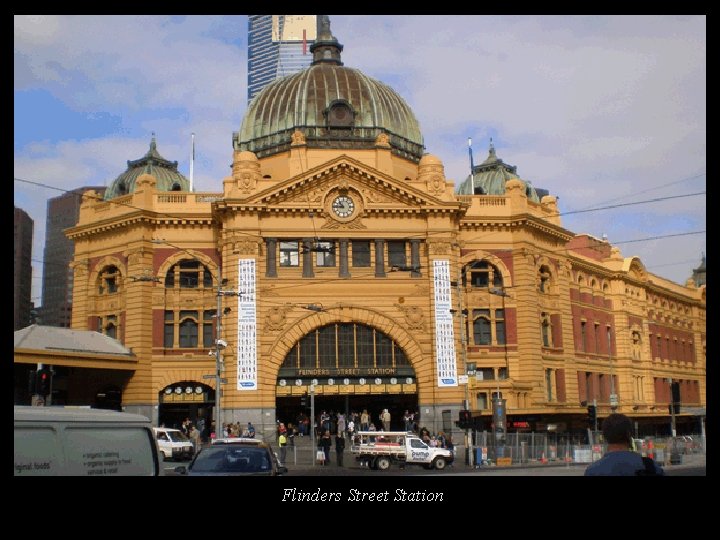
334 106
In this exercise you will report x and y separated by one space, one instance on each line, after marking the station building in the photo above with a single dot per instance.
366 280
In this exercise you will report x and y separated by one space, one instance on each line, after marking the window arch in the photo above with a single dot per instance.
483 274
109 280
189 274
581 279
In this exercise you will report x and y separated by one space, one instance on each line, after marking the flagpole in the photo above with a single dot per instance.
192 162
472 166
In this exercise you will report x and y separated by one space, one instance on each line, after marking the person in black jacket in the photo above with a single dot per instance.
324 443
339 447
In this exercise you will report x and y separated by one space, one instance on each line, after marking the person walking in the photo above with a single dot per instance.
619 460
339 447
282 443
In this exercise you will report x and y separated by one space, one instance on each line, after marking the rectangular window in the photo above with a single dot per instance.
396 253
308 351
588 386
583 335
548 384
500 326
208 334
327 353
482 400
346 346
485 374
597 338
545 332
325 258
361 253
502 373
290 253
169 339
365 346
384 350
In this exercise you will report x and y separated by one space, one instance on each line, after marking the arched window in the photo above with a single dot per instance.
109 280
483 274
189 274
188 329
346 345
122 188
175 187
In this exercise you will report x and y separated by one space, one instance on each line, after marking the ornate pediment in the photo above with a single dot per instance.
376 190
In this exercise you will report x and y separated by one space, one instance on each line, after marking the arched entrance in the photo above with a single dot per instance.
187 399
351 367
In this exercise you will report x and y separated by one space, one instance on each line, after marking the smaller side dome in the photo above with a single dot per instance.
165 173
490 177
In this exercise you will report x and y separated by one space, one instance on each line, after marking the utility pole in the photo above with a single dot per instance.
312 423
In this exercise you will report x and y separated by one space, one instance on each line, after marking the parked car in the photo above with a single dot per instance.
234 457
174 444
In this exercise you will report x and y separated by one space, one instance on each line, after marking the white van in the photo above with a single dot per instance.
174 444
60 441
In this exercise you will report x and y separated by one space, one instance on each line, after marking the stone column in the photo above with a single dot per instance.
380 258
307 258
271 266
344 272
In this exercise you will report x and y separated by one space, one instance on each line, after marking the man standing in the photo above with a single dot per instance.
385 417
619 460
339 447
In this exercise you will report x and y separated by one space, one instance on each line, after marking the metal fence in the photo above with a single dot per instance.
552 447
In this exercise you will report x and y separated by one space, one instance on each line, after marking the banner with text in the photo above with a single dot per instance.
444 334
247 327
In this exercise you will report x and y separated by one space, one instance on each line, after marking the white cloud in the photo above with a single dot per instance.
593 108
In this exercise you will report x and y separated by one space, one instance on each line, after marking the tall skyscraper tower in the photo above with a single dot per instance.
22 272
62 212
278 45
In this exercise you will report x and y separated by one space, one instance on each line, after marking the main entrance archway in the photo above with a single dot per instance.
350 367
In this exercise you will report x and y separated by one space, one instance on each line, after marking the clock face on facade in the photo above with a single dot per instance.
343 206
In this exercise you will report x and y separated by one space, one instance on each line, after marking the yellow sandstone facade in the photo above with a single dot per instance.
347 226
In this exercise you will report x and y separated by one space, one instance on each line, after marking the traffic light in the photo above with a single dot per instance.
303 400
43 381
465 420
592 415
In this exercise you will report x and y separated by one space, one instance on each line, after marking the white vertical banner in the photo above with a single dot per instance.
247 327
444 333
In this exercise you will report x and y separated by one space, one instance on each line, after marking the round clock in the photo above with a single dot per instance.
343 206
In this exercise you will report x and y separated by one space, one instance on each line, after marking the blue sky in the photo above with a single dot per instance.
598 109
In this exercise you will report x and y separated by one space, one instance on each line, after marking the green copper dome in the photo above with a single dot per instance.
490 176
332 105
165 172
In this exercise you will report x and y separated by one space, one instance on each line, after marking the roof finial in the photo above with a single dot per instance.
492 147
326 48
153 145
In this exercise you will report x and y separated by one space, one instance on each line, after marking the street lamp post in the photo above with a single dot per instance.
499 408
463 345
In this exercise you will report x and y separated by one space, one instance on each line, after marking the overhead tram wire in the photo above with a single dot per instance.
123 203
420 236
